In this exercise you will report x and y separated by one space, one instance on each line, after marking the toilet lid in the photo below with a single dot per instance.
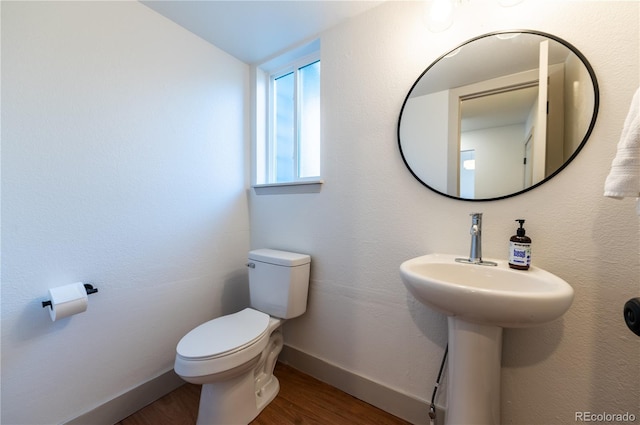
224 334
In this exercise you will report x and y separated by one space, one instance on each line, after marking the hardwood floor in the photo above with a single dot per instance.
302 400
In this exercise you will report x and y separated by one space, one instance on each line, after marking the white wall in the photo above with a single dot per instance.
124 163
371 214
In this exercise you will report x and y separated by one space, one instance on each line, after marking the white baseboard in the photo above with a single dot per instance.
124 405
398 404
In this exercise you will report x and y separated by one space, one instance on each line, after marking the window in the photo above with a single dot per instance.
295 124
291 152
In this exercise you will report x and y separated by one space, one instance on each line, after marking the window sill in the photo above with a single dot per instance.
308 186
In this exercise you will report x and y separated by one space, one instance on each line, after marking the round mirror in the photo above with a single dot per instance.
498 115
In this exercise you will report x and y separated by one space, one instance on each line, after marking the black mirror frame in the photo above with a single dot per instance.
596 105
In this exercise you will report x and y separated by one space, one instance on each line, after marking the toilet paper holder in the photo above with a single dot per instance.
87 287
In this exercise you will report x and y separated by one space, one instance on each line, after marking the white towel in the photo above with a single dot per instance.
624 178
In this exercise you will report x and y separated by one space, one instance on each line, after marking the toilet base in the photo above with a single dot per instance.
267 394
239 400
237 409
228 402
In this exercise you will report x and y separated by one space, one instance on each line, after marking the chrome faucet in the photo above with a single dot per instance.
475 255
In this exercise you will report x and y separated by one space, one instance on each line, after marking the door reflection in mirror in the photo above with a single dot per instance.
536 88
495 127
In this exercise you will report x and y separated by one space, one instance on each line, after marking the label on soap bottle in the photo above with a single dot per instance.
520 253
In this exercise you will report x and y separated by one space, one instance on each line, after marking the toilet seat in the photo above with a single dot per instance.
223 335
223 343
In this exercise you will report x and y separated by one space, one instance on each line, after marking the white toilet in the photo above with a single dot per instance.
233 356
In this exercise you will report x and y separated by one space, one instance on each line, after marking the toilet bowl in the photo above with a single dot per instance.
233 356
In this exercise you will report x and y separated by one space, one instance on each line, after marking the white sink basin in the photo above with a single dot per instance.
497 296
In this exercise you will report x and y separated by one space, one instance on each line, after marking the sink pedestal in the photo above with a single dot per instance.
499 297
473 387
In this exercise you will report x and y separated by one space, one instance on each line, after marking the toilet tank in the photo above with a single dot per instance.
279 282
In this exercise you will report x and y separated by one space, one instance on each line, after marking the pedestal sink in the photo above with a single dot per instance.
480 301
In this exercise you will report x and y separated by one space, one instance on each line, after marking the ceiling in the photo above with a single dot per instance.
256 30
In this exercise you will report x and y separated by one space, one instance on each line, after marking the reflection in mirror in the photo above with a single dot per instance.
498 115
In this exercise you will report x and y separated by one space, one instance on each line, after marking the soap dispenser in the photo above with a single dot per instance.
520 249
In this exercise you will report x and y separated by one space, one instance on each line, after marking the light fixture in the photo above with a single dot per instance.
453 53
507 35
439 13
